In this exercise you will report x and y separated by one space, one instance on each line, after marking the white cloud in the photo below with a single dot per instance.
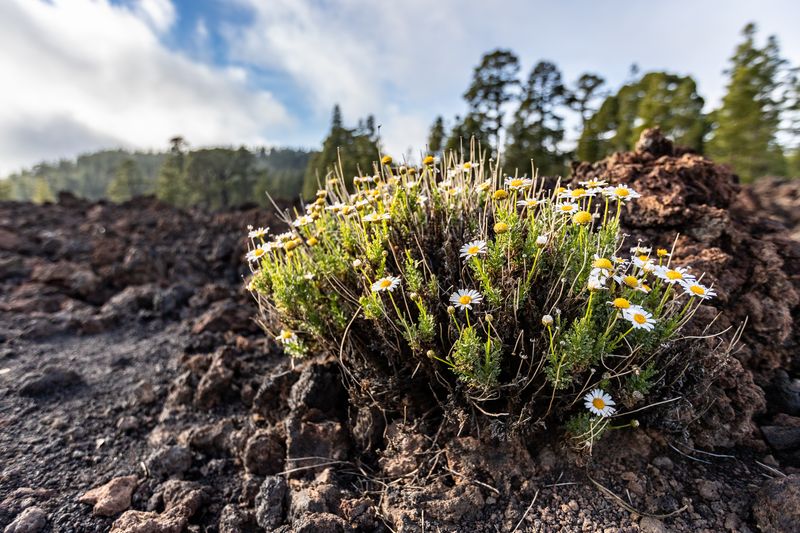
160 14
85 74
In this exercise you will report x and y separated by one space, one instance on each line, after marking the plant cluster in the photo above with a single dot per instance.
508 296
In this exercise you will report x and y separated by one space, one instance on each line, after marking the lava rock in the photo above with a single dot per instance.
314 523
318 387
217 379
169 461
49 380
113 497
31 520
264 452
271 502
782 438
777 505
232 519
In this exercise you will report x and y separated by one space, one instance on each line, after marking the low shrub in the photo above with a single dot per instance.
507 300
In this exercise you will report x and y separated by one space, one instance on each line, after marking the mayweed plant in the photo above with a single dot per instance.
509 297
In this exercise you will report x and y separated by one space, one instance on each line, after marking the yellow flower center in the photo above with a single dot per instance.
465 299
560 190
643 258
622 192
567 208
630 281
473 250
577 193
386 160
286 335
674 274
386 283
621 303
602 262
582 217
312 241
428 160
698 290
516 183
500 194
639 318
661 252
289 246
500 227
258 252
467 166
598 404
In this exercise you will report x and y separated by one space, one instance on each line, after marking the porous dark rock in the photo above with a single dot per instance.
169 461
49 380
31 520
270 503
264 452
777 506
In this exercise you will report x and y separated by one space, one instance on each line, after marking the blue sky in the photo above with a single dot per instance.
80 75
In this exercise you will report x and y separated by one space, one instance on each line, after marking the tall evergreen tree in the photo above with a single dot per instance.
128 182
171 181
538 127
661 99
358 148
583 97
745 127
493 83
472 127
436 136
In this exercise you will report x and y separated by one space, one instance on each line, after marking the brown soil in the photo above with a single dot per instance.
129 350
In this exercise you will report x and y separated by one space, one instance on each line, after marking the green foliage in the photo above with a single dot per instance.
128 182
356 148
746 125
436 137
668 101
508 297
493 83
538 128
42 192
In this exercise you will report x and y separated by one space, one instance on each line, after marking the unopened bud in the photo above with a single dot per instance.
547 321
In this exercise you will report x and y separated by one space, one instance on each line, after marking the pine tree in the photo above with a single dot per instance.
171 181
471 128
127 183
661 99
436 136
746 125
538 129
42 192
359 148
583 97
493 83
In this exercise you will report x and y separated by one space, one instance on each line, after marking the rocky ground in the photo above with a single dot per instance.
137 395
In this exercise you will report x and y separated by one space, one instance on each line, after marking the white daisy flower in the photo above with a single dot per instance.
643 262
258 252
335 207
640 250
541 240
599 403
601 267
632 282
517 184
639 318
472 249
301 221
530 203
596 282
464 298
692 288
623 193
567 208
388 283
575 194
308 276
674 275
484 186
593 184
258 233
376 217
286 336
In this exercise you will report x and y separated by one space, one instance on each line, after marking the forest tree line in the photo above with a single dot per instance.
523 120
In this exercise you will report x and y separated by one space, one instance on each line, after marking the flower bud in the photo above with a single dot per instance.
547 321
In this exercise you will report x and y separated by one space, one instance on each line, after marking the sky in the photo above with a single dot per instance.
81 75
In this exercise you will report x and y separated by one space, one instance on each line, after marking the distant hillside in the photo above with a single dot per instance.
111 174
